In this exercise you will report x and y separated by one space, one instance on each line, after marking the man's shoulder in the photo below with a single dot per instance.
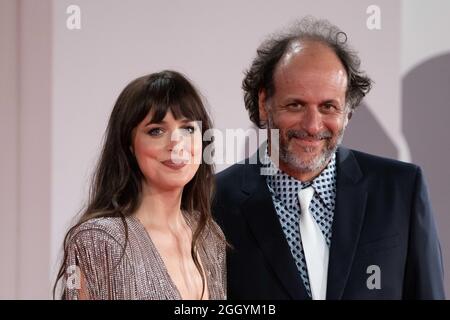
242 176
235 171
375 164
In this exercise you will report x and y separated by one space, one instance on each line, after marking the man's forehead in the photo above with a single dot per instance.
308 56
299 50
293 48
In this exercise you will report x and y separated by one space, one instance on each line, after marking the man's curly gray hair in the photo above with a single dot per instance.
260 74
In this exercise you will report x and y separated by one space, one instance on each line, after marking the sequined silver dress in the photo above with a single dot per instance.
96 247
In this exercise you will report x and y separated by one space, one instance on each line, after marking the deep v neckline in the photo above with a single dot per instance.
161 260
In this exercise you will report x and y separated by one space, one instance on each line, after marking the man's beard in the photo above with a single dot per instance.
307 165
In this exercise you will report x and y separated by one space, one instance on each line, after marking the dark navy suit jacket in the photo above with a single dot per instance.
382 217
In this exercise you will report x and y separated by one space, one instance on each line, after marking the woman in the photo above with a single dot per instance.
147 232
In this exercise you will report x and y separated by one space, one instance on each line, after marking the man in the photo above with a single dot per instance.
329 222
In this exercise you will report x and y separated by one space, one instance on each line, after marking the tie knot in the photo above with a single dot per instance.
305 197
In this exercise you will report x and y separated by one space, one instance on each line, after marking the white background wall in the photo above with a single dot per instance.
25 62
9 97
425 27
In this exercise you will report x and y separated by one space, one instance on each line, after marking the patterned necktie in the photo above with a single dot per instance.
314 246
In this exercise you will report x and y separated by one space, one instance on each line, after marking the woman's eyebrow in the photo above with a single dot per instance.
184 120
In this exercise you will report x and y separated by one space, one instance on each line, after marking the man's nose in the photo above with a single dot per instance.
311 121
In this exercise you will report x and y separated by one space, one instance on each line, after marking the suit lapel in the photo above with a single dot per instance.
263 222
349 214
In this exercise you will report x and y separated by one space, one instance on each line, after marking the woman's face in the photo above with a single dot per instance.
168 153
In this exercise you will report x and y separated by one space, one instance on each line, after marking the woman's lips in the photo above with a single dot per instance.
174 165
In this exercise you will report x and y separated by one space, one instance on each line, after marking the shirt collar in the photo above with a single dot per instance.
286 188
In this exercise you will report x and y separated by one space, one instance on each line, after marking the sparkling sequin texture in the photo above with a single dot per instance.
96 248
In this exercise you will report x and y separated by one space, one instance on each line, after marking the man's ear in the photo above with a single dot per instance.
348 116
262 106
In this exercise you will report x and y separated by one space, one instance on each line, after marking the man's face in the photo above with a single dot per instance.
308 107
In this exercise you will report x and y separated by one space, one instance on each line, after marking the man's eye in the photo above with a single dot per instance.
155 132
294 105
329 107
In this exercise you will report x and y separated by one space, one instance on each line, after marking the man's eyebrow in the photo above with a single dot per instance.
330 101
299 100
296 100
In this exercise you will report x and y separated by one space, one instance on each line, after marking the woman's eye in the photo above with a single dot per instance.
155 132
189 129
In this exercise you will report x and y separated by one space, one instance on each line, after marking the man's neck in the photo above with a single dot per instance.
303 176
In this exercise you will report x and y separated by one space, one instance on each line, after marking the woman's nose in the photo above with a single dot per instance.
177 140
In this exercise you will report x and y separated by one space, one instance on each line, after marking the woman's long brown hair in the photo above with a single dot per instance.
115 190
